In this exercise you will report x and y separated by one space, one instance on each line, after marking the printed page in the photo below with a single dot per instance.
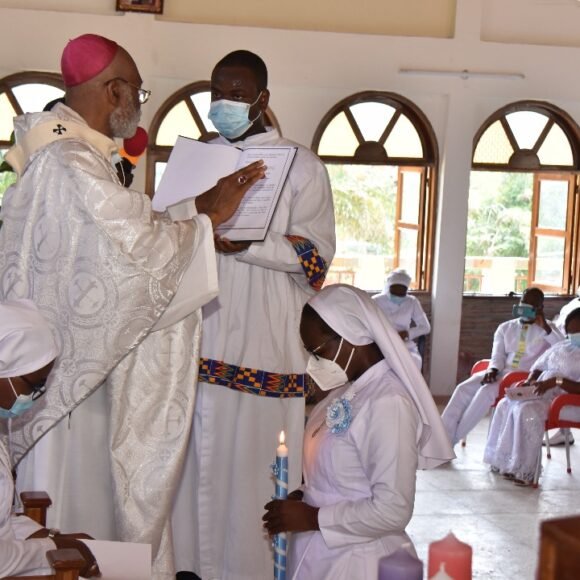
252 218
193 168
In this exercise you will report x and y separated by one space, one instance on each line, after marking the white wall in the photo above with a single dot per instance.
311 71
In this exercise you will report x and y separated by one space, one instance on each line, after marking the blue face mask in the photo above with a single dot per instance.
524 312
574 338
396 299
19 407
231 118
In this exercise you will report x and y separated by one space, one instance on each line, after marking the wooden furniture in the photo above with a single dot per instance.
65 563
559 549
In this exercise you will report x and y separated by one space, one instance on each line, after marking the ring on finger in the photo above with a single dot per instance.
242 179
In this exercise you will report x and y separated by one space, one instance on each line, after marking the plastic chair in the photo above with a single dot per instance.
508 381
554 421
480 365
65 563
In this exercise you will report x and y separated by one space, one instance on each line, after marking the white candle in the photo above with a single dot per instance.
281 492
282 450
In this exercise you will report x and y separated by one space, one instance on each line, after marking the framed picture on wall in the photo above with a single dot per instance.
151 6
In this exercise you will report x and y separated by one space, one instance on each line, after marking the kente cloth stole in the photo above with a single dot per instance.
314 265
254 381
521 346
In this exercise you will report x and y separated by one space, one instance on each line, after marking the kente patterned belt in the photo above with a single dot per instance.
314 265
254 381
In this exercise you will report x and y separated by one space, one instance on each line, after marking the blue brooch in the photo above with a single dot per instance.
339 415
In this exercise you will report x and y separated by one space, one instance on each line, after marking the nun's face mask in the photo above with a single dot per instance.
327 373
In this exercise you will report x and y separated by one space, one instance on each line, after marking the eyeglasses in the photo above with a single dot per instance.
143 94
38 389
315 350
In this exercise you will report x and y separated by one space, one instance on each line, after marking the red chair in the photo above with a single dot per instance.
554 422
480 365
510 380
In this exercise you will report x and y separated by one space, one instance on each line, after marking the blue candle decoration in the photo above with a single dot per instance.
280 471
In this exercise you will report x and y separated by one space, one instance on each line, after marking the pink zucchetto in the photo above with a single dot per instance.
84 57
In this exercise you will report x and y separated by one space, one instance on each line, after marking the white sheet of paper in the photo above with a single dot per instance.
252 218
122 560
193 168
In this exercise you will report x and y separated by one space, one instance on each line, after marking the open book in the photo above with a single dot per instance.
195 167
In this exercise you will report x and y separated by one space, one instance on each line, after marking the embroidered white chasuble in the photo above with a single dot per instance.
103 270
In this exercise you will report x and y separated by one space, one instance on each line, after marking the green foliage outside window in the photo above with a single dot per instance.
499 221
364 204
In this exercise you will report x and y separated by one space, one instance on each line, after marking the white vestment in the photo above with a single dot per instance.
471 400
401 316
517 428
103 270
18 556
253 327
363 480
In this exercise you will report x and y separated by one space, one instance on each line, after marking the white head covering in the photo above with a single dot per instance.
26 342
352 314
398 276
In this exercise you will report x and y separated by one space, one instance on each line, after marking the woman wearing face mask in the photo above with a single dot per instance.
404 312
515 435
27 353
363 443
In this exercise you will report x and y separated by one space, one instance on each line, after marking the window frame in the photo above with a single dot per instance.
536 231
522 162
26 78
370 155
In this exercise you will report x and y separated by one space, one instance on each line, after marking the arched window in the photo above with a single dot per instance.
183 113
25 92
381 154
523 212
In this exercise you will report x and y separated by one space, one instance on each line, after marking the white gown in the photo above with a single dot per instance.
471 400
18 556
401 316
517 429
253 324
363 480
104 272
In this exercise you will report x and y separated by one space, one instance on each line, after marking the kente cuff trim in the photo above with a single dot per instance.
314 265
253 381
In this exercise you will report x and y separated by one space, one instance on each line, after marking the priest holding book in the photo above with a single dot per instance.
252 379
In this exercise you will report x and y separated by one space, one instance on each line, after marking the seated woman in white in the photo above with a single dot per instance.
404 312
516 432
362 445
27 353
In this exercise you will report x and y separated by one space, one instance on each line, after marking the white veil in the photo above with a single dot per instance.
352 314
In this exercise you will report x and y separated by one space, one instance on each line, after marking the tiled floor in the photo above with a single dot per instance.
499 520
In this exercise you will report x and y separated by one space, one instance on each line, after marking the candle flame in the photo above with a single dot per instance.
282 438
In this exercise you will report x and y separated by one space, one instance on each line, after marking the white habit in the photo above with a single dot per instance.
471 400
18 556
401 316
103 271
249 330
363 480
565 311
516 432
